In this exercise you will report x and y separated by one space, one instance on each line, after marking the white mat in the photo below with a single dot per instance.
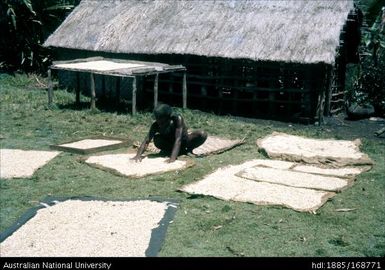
78 228
100 65
15 163
90 143
215 145
122 164
224 184
294 179
270 163
346 172
332 152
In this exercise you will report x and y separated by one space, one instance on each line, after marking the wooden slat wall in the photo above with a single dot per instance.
240 87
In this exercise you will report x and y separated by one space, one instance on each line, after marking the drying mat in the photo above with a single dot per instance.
216 145
99 65
15 163
336 153
89 227
295 179
346 172
122 164
225 185
270 163
92 145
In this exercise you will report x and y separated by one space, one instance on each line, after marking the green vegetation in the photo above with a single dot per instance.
370 8
369 81
24 26
203 226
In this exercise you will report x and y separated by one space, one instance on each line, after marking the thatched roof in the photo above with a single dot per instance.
302 31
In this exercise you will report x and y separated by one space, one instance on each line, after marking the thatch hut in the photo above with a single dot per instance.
257 58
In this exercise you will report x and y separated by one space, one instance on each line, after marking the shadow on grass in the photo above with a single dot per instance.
101 105
107 105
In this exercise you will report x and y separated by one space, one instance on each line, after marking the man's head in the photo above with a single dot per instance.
162 113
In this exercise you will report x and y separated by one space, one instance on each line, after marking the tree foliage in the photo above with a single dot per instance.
24 25
369 85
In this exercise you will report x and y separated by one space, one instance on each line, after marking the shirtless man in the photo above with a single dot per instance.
170 135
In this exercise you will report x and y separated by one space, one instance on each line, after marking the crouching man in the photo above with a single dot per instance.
169 133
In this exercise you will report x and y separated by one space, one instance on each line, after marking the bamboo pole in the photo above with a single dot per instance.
93 93
103 86
117 88
77 88
156 90
50 89
134 96
184 90
321 106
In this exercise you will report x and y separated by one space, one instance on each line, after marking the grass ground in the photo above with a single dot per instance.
247 230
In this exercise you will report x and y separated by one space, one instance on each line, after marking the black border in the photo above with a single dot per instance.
194 263
158 234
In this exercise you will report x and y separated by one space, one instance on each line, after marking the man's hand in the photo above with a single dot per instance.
137 158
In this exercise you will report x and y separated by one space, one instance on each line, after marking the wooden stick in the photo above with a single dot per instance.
336 110
328 88
184 90
117 100
50 89
271 106
93 94
156 90
103 86
134 96
321 106
77 88
338 101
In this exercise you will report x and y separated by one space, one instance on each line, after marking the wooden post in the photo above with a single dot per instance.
77 88
170 85
184 90
309 99
321 106
134 96
236 95
103 86
254 103
319 87
204 96
93 93
156 90
50 89
117 88
272 103
328 89
220 101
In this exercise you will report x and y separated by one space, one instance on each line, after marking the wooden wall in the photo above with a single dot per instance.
240 87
